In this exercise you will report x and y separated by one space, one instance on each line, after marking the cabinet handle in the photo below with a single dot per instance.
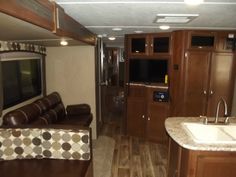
211 92
151 45
146 45
204 92
143 116
149 118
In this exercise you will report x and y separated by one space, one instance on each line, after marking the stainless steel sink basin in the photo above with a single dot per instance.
211 133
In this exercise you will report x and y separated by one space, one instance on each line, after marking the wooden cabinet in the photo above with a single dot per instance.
201 40
196 82
208 76
136 111
226 41
190 163
151 45
204 72
145 117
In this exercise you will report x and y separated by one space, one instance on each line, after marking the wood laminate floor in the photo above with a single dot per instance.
134 157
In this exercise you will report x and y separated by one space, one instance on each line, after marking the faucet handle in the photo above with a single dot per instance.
227 120
205 120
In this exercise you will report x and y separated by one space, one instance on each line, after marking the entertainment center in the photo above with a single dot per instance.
180 73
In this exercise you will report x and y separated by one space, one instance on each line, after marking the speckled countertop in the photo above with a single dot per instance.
177 132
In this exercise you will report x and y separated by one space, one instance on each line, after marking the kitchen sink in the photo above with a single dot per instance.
202 133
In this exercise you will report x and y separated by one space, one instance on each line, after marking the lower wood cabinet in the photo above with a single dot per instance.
190 163
145 116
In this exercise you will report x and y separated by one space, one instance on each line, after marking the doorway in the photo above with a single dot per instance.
110 88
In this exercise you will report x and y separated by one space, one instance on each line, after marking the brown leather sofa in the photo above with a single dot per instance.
49 110
30 152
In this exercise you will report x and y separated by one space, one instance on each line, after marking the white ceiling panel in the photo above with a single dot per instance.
101 16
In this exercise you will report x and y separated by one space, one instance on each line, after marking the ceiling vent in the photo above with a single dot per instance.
175 18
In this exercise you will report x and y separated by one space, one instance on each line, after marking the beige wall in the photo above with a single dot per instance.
71 72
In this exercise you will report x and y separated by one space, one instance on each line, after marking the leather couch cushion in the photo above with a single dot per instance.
23 115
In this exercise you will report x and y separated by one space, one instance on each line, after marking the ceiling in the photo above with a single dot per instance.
101 17
139 15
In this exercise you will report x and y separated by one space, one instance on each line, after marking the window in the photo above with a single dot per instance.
21 79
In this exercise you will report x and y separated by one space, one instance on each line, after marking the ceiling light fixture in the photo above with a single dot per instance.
112 38
164 27
193 2
117 29
175 18
63 42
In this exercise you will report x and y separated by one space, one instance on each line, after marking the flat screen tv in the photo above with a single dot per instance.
148 70
21 79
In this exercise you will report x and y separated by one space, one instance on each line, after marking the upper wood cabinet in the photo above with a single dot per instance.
149 45
226 41
201 40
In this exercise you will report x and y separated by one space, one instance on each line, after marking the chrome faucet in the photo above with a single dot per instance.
222 100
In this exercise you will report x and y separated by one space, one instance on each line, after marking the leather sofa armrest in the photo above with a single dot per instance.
78 109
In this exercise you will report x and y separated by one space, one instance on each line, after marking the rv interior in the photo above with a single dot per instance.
147 86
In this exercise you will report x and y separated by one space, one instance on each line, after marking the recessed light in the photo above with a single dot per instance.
138 31
164 27
112 38
64 42
117 29
193 2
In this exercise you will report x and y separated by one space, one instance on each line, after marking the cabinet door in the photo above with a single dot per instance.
136 119
216 166
196 78
160 44
138 45
221 81
157 112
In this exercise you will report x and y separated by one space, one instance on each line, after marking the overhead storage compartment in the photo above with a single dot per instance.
40 13
48 15
67 26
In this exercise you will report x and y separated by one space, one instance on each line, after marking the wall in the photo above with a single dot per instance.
71 72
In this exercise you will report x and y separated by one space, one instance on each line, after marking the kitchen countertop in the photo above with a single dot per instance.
177 132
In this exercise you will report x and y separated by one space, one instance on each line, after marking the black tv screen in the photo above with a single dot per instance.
21 80
148 70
